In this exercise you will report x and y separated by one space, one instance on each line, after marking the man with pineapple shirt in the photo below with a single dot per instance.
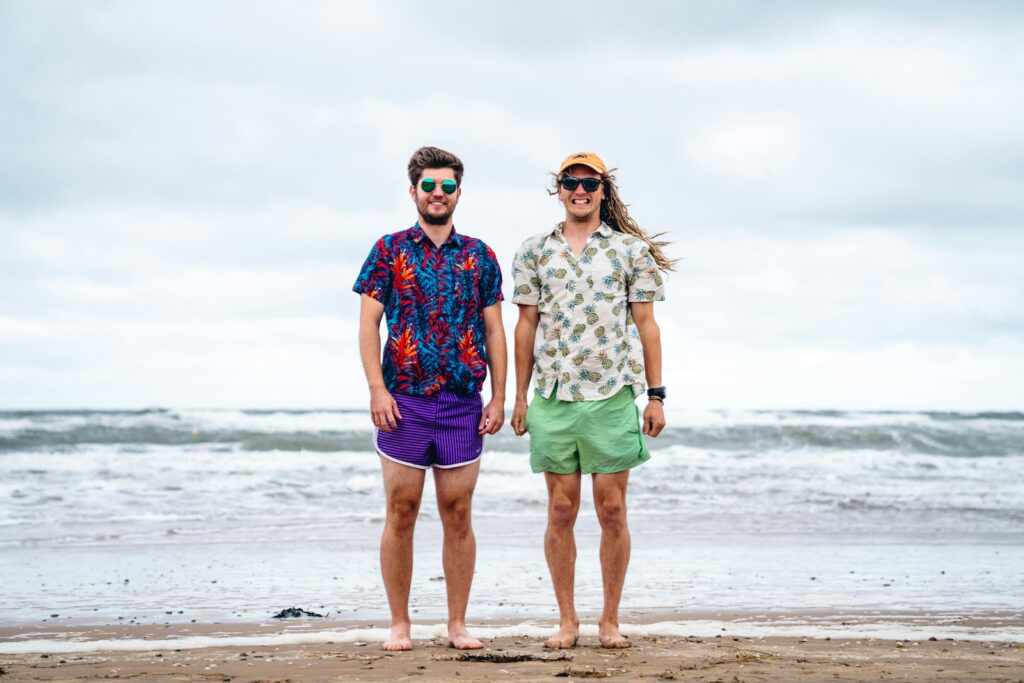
587 335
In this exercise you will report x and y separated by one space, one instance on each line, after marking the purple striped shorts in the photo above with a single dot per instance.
437 430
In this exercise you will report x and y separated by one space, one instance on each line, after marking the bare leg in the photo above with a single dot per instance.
560 551
403 489
454 503
610 502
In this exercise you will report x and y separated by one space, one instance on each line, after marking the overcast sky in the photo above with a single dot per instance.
187 189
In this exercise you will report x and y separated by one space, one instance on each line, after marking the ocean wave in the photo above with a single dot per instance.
935 433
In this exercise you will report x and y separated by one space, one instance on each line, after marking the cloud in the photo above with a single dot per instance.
753 150
258 362
850 289
187 190
914 376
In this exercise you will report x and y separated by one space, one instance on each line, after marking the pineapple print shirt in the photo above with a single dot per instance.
587 346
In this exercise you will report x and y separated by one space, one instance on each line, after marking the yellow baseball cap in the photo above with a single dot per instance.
588 159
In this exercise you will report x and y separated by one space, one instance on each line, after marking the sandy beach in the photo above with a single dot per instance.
303 650
720 658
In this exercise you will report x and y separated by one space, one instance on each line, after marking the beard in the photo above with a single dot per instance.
435 218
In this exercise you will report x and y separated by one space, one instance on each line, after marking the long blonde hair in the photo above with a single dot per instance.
616 215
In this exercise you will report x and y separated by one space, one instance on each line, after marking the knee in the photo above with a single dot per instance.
456 515
402 514
562 512
611 513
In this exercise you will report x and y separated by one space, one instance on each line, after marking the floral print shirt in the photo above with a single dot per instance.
433 299
587 345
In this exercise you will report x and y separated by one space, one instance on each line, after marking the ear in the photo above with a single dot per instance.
412 192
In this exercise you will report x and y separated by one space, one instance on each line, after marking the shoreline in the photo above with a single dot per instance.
887 625
719 658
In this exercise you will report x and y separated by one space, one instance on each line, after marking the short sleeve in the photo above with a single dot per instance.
644 281
490 279
525 278
375 276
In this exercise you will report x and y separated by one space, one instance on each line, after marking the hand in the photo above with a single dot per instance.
519 416
492 418
384 410
654 417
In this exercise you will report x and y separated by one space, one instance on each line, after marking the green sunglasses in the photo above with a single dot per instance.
570 183
448 186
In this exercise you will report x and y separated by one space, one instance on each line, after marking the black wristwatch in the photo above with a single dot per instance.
656 393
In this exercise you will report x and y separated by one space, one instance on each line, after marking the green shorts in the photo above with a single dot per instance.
592 437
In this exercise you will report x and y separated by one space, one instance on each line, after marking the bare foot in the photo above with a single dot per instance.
398 640
611 638
460 639
565 638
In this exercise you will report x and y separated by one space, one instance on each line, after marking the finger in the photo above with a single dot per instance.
482 426
390 418
647 425
395 410
495 426
519 424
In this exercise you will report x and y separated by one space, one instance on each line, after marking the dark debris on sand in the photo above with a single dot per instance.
295 613
502 657
588 672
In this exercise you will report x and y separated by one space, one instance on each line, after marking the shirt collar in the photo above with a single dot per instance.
418 235
604 230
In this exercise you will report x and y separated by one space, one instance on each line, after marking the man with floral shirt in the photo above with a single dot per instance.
441 294
587 334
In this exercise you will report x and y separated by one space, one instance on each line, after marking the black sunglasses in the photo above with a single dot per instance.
570 183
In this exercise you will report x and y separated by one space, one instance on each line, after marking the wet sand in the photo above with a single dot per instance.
723 659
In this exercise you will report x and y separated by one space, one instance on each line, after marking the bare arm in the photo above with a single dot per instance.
383 408
497 358
650 337
526 333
